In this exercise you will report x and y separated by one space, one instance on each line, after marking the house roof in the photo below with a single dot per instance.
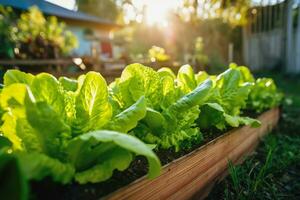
52 9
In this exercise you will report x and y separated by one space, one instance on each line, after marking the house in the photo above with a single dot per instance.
93 33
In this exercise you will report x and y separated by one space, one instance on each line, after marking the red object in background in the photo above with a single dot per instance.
106 48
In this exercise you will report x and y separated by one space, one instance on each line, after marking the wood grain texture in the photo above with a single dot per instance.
192 176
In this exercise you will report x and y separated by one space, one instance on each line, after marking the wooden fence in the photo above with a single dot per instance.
272 38
62 67
110 69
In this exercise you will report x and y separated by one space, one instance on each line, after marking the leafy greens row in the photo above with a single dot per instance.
83 130
57 127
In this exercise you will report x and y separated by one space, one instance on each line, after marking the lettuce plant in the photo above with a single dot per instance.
264 95
68 130
172 107
231 90
226 99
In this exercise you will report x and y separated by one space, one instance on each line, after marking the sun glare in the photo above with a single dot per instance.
156 11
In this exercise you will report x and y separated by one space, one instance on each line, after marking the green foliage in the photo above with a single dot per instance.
127 119
46 36
186 79
91 103
83 130
107 9
229 97
179 106
264 95
34 36
170 114
158 54
13 184
86 149
212 114
136 81
7 45
37 166
231 11
53 128
272 173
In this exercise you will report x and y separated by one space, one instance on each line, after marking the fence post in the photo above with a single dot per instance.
246 46
230 53
289 61
297 50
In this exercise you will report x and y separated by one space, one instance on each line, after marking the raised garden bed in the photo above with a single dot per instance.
84 139
193 175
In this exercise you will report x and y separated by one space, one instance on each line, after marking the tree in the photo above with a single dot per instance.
7 17
231 11
107 9
31 35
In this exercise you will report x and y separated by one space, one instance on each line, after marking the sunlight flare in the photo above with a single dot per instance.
156 12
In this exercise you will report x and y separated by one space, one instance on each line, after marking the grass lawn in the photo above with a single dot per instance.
273 171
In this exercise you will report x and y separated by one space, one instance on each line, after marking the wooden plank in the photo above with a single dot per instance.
245 149
67 61
186 176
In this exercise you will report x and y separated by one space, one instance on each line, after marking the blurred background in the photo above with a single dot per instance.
69 37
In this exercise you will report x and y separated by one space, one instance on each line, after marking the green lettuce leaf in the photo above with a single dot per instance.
231 92
53 95
213 115
186 79
68 84
92 106
41 115
201 77
170 93
99 148
181 131
15 125
15 76
28 135
12 100
120 160
264 95
155 121
128 119
37 166
245 72
174 127
195 98
137 80
164 71
236 121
